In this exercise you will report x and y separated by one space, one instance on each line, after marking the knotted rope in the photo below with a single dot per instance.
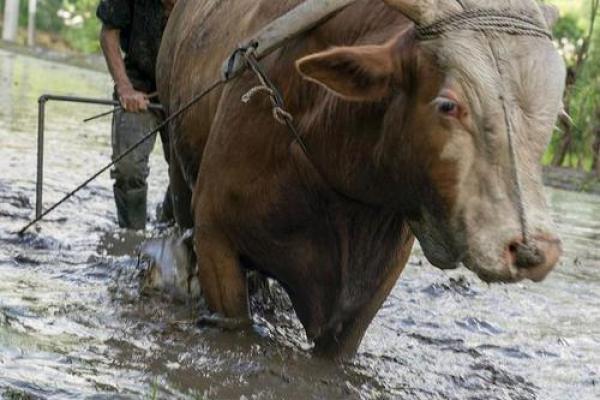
269 88
485 21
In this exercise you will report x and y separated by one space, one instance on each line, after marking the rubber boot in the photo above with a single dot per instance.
164 210
131 207
121 203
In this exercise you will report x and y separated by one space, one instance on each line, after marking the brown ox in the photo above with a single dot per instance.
405 137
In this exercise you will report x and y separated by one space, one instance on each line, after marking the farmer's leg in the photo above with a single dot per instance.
130 174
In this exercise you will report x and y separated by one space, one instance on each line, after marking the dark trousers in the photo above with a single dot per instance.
131 173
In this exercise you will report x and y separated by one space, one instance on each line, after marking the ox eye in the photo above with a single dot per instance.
447 107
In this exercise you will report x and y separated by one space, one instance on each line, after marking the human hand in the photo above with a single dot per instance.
132 100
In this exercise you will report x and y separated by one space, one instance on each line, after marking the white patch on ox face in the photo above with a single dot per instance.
460 149
525 77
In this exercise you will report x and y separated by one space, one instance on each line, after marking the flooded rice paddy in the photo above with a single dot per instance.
73 324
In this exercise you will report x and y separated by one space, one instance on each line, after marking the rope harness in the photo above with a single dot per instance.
268 87
490 22
280 114
484 21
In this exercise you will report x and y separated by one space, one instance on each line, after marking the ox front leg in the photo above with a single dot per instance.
223 281
343 342
180 192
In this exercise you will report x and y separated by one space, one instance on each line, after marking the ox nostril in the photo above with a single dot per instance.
524 255
533 259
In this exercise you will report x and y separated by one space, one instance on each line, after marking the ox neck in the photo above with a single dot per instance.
344 139
342 153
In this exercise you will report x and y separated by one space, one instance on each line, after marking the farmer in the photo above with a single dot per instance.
135 27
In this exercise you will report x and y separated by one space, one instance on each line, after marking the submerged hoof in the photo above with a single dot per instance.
227 324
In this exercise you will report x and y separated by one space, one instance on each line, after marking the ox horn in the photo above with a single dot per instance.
422 11
410 8
551 14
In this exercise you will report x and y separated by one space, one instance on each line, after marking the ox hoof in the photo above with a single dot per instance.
227 324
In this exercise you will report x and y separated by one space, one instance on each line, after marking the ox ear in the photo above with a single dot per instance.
354 73
551 14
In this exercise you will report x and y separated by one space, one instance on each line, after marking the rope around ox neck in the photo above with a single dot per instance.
499 21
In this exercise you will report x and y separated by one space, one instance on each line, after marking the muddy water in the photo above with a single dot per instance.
72 324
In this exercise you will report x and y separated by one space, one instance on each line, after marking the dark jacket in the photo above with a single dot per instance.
141 23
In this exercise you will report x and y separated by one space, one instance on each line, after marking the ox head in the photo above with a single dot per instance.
469 113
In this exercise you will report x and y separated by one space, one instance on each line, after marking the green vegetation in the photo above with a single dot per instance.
576 142
70 24
83 26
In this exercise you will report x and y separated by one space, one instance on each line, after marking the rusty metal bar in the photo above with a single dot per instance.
39 186
40 156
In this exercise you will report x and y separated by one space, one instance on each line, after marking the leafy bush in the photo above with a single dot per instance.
576 142
569 34
584 107
81 27
74 20
47 15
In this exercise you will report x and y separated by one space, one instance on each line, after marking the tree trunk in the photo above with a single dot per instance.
11 20
596 153
31 23
566 139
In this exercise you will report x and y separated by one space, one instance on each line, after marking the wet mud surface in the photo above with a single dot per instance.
74 325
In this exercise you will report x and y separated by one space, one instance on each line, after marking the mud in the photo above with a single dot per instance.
74 325
572 179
